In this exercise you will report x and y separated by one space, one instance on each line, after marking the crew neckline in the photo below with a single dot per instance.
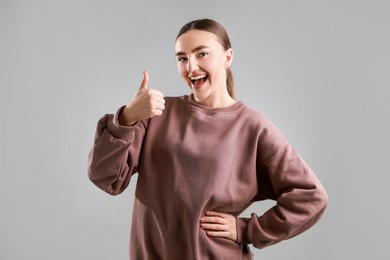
190 102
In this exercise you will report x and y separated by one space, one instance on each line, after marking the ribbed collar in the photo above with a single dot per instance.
189 101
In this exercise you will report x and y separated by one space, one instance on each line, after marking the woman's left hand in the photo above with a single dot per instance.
219 225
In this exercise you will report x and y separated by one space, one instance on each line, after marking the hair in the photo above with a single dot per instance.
217 29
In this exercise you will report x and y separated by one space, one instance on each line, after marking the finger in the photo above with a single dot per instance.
145 81
156 101
157 112
155 93
223 234
214 213
215 220
160 106
213 227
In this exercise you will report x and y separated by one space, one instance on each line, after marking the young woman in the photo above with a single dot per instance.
202 159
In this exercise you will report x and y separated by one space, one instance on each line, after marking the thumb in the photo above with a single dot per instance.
145 81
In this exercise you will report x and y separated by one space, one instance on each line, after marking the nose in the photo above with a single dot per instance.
192 65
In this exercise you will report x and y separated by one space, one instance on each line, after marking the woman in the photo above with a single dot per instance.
202 160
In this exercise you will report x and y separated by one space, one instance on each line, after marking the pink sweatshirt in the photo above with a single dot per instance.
193 159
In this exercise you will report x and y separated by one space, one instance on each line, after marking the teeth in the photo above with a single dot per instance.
198 77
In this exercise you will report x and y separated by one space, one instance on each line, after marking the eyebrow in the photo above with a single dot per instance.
193 50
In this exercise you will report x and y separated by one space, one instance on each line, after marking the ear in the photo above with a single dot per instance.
229 58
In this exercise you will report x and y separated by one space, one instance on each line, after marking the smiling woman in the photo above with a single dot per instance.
202 159
213 33
202 62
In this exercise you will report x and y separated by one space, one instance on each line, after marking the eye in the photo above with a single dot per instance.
181 59
203 54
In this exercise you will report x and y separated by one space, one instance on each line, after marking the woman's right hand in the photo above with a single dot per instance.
145 104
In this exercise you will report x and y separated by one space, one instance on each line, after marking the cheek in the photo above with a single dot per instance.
212 65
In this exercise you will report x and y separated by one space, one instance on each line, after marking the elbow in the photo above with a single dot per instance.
102 182
320 202
323 198
111 189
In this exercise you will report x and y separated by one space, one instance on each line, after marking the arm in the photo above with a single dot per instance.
301 200
114 156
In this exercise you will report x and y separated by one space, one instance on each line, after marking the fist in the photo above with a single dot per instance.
146 103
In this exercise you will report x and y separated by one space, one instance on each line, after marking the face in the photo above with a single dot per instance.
202 62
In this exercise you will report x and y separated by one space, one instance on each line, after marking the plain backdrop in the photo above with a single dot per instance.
318 69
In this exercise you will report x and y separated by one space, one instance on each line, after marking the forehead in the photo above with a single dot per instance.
194 38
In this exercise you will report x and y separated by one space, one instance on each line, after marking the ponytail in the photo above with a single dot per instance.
230 83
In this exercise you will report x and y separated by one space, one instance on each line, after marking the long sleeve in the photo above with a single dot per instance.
115 154
300 197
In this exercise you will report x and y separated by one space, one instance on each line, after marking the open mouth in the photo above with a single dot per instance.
197 81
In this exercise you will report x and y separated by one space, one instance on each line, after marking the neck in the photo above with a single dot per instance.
216 102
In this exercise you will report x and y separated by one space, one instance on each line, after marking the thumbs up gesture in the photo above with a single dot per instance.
146 103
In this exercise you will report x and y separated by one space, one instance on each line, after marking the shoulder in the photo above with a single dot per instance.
255 117
268 134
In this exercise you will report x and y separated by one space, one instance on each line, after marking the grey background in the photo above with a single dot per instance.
318 69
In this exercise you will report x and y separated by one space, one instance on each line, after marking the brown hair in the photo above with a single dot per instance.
223 38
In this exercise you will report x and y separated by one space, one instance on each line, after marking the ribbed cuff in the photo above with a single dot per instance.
242 225
125 133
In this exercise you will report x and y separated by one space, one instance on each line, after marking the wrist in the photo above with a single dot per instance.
124 117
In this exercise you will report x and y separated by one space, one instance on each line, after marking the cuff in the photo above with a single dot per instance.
242 225
119 131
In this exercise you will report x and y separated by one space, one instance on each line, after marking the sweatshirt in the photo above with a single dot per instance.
193 159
